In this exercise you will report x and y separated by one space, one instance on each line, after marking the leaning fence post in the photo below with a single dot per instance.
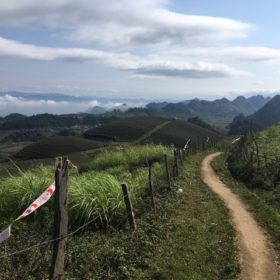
179 152
60 219
151 187
167 172
129 208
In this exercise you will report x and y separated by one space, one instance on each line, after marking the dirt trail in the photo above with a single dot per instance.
256 258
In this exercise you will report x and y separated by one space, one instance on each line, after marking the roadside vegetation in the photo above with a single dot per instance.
251 168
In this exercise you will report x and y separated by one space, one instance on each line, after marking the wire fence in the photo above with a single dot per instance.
179 156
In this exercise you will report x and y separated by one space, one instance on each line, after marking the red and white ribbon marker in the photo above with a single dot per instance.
41 200
236 140
187 144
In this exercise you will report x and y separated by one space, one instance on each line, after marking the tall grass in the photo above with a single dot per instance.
16 193
129 157
93 194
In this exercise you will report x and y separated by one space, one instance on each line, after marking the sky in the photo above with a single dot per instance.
151 49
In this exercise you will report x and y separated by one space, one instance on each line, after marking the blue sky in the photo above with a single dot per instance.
152 49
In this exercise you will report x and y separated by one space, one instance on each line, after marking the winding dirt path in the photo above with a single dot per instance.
256 258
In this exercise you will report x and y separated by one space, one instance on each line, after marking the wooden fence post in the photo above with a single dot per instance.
184 154
176 163
202 144
129 208
60 219
179 152
167 172
194 148
151 188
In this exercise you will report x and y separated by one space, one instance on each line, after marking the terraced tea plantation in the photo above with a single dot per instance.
177 131
152 130
129 129
57 145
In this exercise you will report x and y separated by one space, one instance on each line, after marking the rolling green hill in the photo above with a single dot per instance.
151 130
178 131
57 146
129 129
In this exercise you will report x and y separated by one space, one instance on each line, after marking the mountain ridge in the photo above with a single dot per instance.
268 115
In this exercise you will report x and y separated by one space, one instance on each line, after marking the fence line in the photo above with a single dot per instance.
63 235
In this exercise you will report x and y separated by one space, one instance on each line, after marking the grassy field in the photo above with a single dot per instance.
189 236
177 133
199 240
56 146
129 129
265 204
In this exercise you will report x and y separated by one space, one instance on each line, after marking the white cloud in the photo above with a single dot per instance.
10 104
144 38
257 91
196 70
233 53
122 23
122 61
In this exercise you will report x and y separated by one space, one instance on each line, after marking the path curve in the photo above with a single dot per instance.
257 260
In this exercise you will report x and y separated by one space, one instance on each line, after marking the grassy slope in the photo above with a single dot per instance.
56 146
177 133
189 236
260 202
199 239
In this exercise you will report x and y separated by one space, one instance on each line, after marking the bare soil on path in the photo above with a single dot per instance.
257 259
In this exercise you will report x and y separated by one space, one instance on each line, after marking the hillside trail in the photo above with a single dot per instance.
257 259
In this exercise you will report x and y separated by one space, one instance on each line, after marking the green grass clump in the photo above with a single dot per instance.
95 195
130 156
91 195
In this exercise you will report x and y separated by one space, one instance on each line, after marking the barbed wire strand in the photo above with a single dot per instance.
47 241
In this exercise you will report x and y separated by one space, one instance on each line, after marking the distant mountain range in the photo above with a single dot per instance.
266 116
219 112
